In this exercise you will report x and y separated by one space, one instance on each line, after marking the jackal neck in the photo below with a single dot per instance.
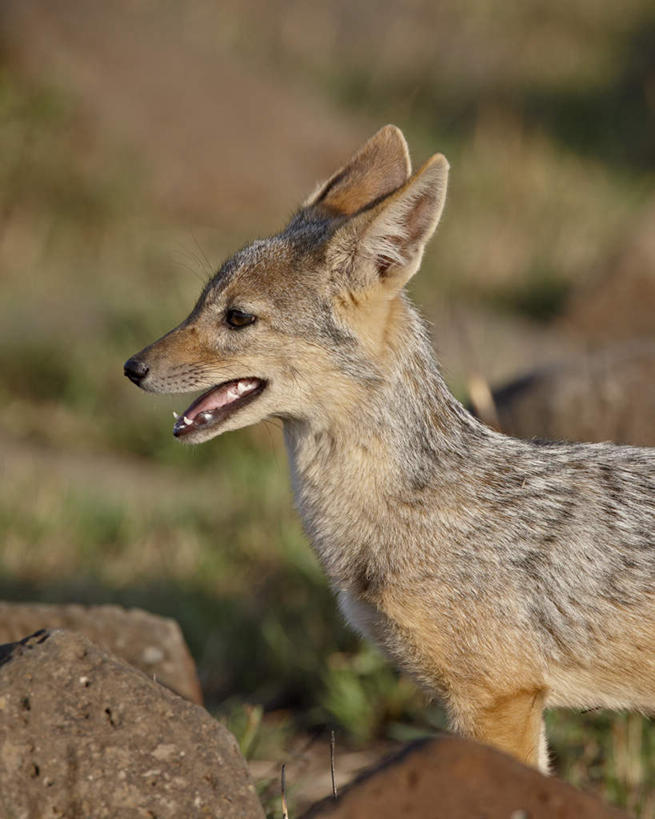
362 480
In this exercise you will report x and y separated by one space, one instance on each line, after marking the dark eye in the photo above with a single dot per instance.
238 319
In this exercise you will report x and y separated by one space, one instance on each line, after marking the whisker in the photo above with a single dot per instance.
211 268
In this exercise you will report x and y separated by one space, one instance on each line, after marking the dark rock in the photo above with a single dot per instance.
83 734
153 644
605 395
454 778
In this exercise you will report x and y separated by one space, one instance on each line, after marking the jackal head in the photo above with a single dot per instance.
299 326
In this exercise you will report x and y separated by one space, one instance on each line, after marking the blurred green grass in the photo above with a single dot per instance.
100 504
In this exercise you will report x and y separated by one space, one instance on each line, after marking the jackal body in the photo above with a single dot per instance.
504 575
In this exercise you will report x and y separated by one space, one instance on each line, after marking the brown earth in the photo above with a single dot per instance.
161 82
619 304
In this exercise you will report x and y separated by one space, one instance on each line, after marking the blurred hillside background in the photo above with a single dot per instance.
140 143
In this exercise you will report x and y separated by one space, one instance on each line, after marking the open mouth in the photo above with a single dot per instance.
217 404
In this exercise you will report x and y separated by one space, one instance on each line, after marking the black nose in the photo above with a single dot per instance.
135 369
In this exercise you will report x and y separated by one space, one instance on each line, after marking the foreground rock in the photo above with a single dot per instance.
453 778
83 734
153 644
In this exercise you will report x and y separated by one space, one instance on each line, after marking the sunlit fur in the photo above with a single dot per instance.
504 575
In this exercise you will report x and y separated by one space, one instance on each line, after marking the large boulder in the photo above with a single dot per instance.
84 734
153 644
454 778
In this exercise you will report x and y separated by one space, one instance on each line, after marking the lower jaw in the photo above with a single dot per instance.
196 434
200 435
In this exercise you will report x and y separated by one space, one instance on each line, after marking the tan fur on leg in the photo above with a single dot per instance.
512 723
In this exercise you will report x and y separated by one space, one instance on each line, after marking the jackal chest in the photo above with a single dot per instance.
363 617
411 639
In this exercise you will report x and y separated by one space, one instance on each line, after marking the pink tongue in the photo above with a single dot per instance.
214 400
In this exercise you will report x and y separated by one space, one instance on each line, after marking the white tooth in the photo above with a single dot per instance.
187 421
175 415
232 393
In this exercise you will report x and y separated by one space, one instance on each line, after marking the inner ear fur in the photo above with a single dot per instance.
387 241
379 167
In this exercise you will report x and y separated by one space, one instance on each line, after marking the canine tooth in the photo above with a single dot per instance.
175 415
242 387
187 421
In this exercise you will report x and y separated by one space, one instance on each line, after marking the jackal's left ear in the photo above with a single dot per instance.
387 241
380 166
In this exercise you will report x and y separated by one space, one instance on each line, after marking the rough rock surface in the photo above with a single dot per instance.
153 644
83 734
453 778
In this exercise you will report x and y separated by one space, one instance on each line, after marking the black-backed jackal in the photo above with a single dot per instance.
506 576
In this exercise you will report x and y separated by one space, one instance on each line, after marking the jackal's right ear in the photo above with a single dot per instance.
384 244
379 167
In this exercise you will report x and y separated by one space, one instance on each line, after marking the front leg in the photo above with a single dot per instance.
510 722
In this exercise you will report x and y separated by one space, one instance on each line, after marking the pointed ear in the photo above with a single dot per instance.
379 167
387 241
